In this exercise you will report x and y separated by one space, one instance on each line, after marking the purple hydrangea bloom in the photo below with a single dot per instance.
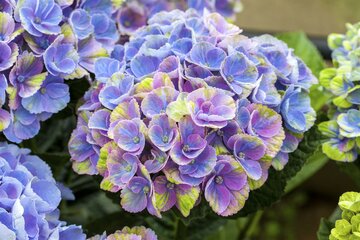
29 199
190 106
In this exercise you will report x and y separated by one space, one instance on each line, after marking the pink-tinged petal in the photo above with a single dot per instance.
134 196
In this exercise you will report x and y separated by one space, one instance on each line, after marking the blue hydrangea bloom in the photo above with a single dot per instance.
29 198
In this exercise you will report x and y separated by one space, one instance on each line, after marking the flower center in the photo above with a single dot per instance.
192 161
165 139
136 140
185 148
146 189
230 79
170 185
37 20
21 78
128 168
241 155
43 90
220 133
161 159
219 179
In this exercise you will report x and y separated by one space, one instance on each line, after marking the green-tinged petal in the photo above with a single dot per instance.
332 150
125 111
326 76
35 82
142 88
104 153
348 199
335 40
342 102
107 185
177 109
69 36
161 199
338 85
82 167
342 228
329 129
77 74
186 199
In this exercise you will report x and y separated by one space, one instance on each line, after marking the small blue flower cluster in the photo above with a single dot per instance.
29 199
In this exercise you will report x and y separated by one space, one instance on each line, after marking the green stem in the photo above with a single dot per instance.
250 227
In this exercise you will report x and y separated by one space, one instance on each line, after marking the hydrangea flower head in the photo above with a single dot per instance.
189 107
342 82
29 198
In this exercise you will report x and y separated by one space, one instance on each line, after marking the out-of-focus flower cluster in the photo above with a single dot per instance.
348 227
43 43
190 106
135 233
29 199
135 13
342 81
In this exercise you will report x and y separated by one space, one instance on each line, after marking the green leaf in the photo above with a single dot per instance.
327 224
324 229
304 49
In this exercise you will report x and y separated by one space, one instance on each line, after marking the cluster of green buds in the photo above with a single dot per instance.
348 227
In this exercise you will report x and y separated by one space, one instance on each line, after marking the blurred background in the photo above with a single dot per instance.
317 18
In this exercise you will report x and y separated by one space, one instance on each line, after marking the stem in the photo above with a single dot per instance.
250 226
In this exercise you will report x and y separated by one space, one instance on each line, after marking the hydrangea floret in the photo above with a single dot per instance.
42 44
30 198
342 82
348 227
134 233
190 107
